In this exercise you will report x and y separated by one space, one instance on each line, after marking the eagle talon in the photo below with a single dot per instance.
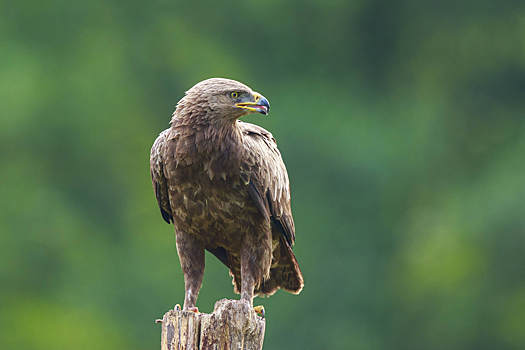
194 309
259 309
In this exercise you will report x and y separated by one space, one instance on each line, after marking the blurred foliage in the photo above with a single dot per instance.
402 124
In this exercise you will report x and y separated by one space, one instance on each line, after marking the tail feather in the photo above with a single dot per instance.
285 274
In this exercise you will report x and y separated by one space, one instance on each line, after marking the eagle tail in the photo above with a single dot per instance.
286 274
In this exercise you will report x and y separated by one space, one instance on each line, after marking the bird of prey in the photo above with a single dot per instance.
223 185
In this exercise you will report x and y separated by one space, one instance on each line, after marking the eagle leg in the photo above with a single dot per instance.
247 275
191 256
255 265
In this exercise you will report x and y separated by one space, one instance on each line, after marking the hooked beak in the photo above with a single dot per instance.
260 105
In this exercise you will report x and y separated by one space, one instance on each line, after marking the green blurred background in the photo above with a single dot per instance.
402 124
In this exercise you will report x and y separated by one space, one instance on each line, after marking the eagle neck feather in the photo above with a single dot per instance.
214 143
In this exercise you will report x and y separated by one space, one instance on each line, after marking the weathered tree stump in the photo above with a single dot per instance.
232 325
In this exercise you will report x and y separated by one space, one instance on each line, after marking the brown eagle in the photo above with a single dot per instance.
223 184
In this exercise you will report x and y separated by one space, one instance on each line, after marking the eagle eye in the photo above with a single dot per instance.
234 94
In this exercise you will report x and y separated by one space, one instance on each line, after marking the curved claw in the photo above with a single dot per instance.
259 310
194 309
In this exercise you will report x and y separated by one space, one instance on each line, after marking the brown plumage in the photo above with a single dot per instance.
223 184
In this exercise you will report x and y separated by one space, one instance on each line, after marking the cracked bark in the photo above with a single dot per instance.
232 325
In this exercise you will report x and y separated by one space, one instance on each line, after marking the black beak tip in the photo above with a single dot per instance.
264 103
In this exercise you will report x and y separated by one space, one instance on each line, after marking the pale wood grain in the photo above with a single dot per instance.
232 325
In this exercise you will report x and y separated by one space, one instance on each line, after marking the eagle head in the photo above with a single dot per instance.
219 98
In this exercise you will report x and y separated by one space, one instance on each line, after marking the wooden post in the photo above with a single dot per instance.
233 325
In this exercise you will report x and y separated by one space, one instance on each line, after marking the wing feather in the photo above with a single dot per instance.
264 172
158 178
